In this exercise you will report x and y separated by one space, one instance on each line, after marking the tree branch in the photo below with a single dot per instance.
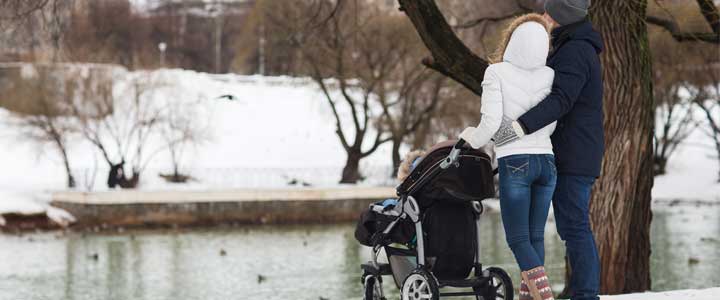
450 56
430 108
674 29
478 21
378 141
338 121
711 14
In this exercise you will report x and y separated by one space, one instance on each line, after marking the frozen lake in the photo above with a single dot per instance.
291 262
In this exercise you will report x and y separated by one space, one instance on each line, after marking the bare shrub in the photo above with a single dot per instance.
41 115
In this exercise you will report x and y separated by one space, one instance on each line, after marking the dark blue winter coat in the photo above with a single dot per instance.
575 101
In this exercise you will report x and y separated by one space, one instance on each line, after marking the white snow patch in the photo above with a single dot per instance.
60 216
32 203
20 203
704 294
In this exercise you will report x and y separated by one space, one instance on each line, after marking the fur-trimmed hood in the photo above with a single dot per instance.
525 42
407 164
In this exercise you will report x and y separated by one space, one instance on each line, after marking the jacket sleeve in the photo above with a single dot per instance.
571 75
491 109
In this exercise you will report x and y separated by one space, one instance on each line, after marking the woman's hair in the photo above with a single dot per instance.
497 56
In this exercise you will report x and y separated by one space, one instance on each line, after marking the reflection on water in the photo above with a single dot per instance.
686 247
290 262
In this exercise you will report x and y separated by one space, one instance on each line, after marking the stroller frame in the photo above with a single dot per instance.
482 281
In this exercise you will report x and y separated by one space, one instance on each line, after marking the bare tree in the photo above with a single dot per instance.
407 93
674 121
119 118
705 87
673 111
181 130
414 104
711 108
348 72
42 116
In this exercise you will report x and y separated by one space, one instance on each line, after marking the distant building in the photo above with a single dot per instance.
201 8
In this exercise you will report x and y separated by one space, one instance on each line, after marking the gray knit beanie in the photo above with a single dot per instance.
567 11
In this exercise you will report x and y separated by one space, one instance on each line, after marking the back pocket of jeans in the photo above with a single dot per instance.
551 163
518 166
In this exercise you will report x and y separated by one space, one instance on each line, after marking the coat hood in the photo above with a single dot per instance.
528 46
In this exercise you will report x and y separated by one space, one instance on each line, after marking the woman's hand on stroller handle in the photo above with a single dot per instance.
452 159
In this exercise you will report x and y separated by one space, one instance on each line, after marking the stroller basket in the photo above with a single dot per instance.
402 262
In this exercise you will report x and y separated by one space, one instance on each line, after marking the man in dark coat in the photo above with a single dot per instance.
575 102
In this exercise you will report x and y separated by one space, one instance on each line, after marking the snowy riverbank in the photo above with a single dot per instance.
704 294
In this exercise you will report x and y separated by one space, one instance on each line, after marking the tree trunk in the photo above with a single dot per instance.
396 155
660 165
132 182
420 136
717 149
66 161
620 206
351 171
70 179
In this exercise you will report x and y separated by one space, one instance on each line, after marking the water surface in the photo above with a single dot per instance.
291 262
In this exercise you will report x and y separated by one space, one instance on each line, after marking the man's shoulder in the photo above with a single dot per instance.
577 47
574 53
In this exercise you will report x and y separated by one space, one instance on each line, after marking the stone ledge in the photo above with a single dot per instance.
207 208
296 194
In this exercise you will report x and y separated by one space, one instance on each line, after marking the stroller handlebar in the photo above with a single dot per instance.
452 159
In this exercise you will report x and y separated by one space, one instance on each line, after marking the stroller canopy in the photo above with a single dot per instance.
471 180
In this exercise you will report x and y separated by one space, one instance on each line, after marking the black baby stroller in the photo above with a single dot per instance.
431 235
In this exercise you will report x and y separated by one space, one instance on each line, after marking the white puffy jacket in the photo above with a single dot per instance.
512 87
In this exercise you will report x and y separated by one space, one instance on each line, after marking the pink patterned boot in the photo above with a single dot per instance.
524 291
538 284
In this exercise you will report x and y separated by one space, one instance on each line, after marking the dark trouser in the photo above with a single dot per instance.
527 182
571 207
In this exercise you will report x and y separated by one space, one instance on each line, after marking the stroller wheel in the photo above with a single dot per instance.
420 284
373 288
500 285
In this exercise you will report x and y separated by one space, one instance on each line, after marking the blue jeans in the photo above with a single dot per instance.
571 206
527 182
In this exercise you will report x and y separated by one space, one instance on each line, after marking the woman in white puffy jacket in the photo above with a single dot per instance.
514 83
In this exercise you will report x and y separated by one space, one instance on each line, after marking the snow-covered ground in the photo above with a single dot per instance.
705 294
